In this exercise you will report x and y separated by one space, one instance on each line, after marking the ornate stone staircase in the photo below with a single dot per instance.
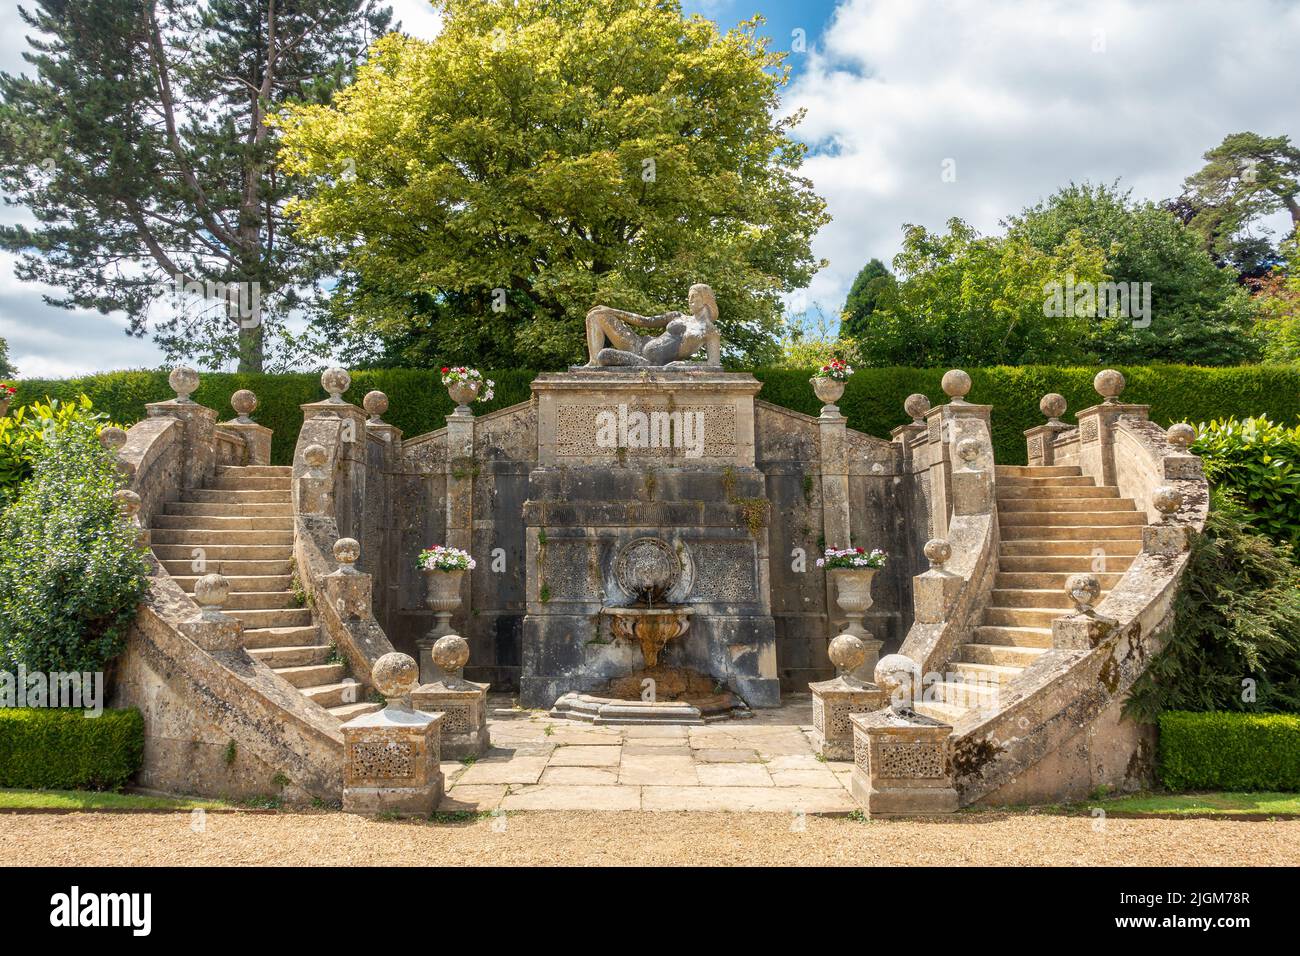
241 525
1053 521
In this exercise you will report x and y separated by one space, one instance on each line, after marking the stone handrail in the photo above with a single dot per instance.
957 449
1097 654
329 472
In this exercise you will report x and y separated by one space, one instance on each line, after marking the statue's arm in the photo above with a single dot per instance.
638 321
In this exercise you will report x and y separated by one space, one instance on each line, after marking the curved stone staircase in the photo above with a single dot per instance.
1053 521
241 525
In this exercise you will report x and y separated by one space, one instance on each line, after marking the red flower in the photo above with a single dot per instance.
445 370
860 551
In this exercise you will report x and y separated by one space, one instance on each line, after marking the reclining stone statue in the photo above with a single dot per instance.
682 336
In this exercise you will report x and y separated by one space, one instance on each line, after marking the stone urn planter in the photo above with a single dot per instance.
4 406
828 390
464 394
442 595
853 595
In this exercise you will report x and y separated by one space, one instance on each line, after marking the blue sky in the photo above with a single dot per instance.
1013 98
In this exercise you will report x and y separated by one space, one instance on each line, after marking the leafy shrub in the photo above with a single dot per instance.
1260 462
1236 617
71 574
65 750
1226 751
873 400
24 431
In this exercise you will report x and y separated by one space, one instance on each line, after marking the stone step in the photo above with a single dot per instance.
1035 532
300 656
224 552
985 673
1038 471
1002 654
1049 580
1054 504
1032 597
226 496
289 617
1064 564
1014 636
312 675
235 482
262 601
1023 616
346 712
1072 548
204 509
239 583
962 694
1006 491
231 567
1068 481
222 522
205 537
280 636
948 713
256 471
1069 519
332 695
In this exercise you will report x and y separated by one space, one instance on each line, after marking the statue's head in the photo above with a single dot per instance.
700 298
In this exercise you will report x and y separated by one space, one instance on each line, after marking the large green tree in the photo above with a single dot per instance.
7 369
540 156
138 142
1199 315
873 283
1246 178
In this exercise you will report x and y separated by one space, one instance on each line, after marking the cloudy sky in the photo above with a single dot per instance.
1015 98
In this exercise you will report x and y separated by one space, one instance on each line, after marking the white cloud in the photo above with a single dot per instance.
1024 98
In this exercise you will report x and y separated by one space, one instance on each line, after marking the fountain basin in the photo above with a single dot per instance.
651 627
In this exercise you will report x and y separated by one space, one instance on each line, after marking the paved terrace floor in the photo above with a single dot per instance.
761 763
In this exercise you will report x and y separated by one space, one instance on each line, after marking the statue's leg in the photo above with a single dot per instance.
602 326
609 357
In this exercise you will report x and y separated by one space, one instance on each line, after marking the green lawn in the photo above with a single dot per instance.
88 800
1261 804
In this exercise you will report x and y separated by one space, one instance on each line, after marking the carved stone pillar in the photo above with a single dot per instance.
198 453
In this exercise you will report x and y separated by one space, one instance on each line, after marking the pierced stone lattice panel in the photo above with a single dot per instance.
382 760
456 718
837 718
902 761
1088 430
727 572
577 427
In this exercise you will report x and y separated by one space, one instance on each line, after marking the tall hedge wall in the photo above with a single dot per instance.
873 400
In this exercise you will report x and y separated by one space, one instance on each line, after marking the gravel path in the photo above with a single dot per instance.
638 838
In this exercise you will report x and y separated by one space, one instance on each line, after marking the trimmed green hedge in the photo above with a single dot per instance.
51 749
1229 751
873 400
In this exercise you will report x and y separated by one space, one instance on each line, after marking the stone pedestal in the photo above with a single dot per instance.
902 764
198 459
833 702
463 705
257 439
392 762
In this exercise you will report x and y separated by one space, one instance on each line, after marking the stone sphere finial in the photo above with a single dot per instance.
450 652
937 552
211 592
1181 435
336 381
898 676
395 675
184 382
128 501
244 402
956 385
112 438
968 449
1167 500
346 553
375 404
1083 590
847 653
917 405
1053 406
314 456
1109 384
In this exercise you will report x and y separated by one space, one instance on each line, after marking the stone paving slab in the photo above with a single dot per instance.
766 764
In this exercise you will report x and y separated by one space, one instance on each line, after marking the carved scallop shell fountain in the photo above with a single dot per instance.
648 569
